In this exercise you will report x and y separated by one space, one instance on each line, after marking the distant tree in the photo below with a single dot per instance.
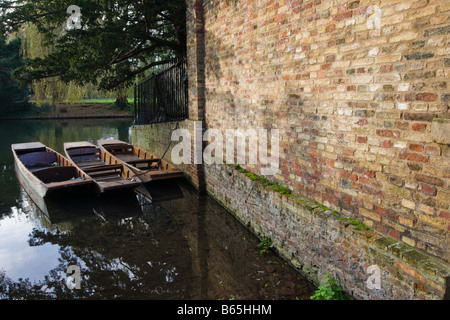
111 43
12 96
50 90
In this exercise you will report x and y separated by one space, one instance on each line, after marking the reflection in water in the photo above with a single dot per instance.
184 246
120 244
16 255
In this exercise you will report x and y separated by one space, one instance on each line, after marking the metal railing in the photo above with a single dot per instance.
163 97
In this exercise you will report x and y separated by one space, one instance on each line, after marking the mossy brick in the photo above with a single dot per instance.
309 205
385 242
369 235
319 210
399 249
398 190
331 213
380 258
439 288
421 290
414 257
433 268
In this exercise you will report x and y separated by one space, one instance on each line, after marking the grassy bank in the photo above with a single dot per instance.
91 108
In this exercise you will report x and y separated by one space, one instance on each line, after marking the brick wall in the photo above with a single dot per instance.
354 98
313 238
362 105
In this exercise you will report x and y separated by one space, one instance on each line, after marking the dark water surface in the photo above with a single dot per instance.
127 247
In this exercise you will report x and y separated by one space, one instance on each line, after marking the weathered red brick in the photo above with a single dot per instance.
429 190
380 210
394 234
370 174
412 272
386 68
419 126
388 133
331 28
426 97
445 214
361 139
363 122
416 147
386 144
429 180
343 16
413 157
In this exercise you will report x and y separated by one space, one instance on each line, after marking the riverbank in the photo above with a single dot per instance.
67 111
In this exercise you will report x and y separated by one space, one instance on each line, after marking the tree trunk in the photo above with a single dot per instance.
121 103
121 100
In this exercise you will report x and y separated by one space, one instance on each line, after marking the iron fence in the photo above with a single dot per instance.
163 97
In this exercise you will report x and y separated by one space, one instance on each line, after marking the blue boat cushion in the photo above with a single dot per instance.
56 174
38 159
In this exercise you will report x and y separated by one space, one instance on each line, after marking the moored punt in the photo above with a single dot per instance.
147 166
94 162
43 172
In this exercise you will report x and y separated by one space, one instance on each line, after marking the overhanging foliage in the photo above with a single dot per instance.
117 40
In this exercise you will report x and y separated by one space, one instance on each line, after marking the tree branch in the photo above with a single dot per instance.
132 74
132 53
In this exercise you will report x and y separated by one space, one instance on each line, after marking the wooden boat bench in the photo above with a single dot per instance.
104 170
83 154
148 162
22 148
119 149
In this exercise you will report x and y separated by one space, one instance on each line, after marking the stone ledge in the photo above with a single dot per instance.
413 257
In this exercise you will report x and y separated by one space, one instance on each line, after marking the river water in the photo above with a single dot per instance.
184 246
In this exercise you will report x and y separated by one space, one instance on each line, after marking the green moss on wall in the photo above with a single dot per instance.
311 206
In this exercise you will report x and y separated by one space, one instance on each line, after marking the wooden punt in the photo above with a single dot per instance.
43 172
147 166
97 164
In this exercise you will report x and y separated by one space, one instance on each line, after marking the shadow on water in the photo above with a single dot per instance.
177 245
